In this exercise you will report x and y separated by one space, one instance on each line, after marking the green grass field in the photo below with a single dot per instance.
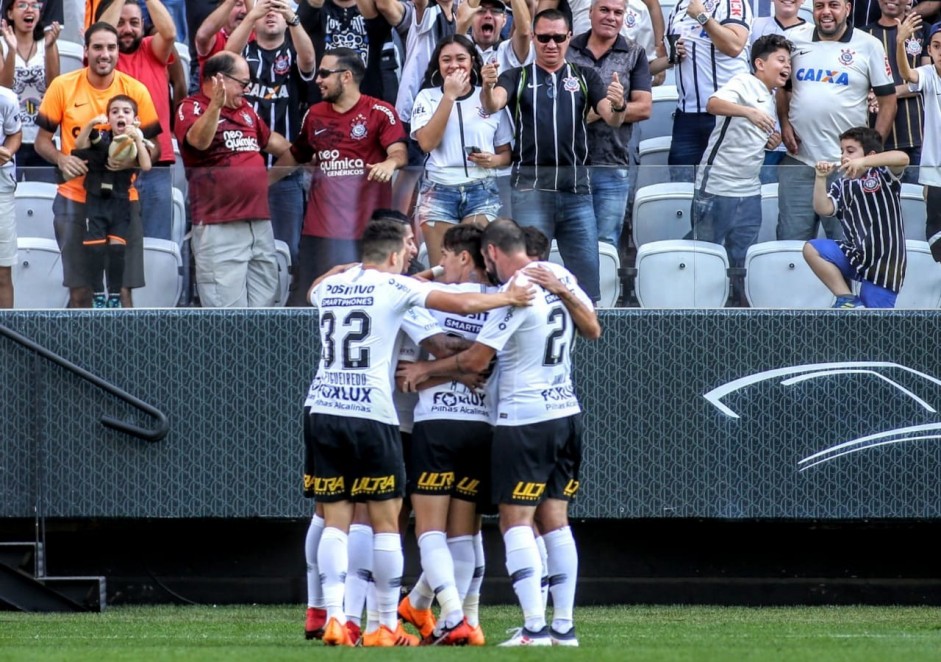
700 634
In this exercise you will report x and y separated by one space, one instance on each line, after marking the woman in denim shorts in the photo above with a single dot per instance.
462 141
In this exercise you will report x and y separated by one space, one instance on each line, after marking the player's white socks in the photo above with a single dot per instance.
332 559
438 569
372 613
421 596
387 575
522 562
360 571
462 551
563 575
472 601
311 543
544 571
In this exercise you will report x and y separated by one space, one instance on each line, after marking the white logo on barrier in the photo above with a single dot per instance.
798 374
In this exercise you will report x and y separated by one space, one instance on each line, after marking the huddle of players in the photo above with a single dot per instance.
505 431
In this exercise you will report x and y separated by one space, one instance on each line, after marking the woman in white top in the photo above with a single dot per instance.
30 62
463 142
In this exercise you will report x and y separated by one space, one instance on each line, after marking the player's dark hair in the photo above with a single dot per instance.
382 238
765 46
350 60
95 28
537 244
390 215
506 235
552 15
869 139
433 75
465 237
123 98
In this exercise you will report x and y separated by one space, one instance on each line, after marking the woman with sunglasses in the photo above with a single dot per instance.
463 144
30 62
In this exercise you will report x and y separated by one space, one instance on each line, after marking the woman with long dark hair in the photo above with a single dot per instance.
462 141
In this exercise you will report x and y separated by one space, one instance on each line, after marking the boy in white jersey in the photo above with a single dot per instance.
867 200
927 80
357 453
537 439
727 203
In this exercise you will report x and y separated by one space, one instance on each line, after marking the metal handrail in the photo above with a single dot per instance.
163 425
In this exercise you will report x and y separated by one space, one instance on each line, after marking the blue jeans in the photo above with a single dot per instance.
691 133
728 221
796 216
872 295
610 188
177 9
156 202
286 205
769 170
569 218
452 203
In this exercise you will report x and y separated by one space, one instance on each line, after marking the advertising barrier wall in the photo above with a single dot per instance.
693 414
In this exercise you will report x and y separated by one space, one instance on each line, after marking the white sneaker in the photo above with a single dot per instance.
563 639
525 637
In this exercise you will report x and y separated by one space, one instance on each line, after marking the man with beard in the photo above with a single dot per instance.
70 102
220 139
357 143
281 65
146 58
833 67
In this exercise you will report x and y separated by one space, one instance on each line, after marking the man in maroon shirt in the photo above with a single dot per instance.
146 58
221 139
356 142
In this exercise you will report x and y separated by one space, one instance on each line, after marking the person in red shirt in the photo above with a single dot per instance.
146 59
215 30
357 143
221 139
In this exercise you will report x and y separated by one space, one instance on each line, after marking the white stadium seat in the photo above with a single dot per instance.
37 275
922 285
163 275
652 158
33 205
777 276
914 213
284 272
609 267
661 119
662 211
769 213
178 222
682 273
71 56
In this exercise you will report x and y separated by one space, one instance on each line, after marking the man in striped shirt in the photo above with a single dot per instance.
867 201
550 101
712 45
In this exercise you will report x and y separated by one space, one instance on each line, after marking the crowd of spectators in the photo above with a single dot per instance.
295 121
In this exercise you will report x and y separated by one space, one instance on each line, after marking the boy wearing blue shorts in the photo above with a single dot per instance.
867 201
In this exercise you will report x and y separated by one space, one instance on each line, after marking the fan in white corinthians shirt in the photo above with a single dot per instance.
357 453
537 439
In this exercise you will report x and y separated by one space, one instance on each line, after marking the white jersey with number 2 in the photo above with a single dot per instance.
534 355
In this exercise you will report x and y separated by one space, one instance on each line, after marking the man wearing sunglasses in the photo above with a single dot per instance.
356 143
221 139
550 101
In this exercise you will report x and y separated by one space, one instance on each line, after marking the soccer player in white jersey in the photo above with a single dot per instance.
833 67
357 453
537 438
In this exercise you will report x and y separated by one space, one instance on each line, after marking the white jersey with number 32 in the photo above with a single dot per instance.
360 314
534 355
